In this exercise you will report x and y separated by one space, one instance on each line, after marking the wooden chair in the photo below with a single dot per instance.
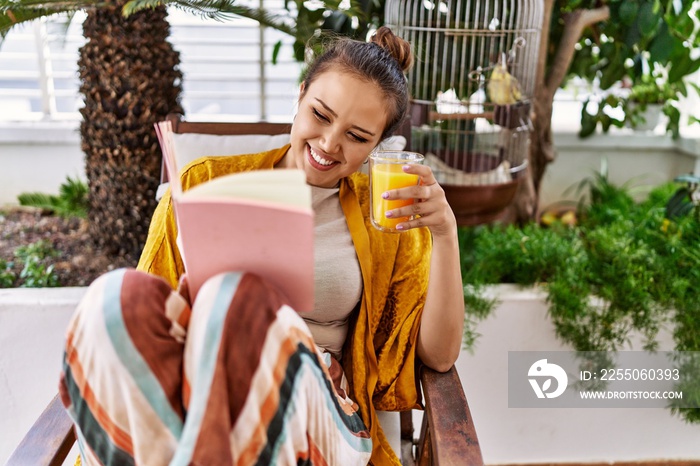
447 435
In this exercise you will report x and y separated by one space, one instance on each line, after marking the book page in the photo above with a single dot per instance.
282 186
164 131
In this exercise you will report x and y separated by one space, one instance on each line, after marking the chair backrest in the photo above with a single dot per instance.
226 129
192 140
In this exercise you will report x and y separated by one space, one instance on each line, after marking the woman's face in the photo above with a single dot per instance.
340 120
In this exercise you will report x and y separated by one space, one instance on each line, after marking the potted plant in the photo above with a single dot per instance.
617 267
647 102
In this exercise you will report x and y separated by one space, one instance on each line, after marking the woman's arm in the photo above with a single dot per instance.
442 323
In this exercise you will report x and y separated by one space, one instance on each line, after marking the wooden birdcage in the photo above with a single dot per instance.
471 89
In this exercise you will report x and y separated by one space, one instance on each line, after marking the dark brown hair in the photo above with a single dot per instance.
383 60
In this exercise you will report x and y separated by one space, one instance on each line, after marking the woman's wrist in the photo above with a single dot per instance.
445 232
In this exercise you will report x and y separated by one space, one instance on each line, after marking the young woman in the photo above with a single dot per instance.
240 378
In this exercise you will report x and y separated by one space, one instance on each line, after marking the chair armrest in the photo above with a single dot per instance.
49 440
452 435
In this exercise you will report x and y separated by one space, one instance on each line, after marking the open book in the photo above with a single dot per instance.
256 221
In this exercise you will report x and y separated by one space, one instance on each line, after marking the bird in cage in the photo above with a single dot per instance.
503 87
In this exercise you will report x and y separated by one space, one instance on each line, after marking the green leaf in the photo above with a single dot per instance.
681 67
276 51
13 14
681 22
224 9
674 119
676 204
612 74
338 22
677 6
648 19
663 45
588 122
633 36
39 200
628 12
299 48
133 6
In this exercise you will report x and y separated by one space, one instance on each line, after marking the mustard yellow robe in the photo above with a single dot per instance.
380 352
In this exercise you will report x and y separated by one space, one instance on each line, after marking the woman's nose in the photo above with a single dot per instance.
329 141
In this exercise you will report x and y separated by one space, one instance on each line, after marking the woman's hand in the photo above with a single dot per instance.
430 207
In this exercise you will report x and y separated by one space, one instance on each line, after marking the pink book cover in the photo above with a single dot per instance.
219 234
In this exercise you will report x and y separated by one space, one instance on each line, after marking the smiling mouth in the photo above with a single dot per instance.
320 161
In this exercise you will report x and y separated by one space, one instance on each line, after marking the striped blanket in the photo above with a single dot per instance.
234 379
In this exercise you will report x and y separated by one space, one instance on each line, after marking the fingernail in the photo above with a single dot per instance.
406 168
400 226
389 214
385 195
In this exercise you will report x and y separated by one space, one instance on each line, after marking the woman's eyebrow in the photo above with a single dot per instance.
335 115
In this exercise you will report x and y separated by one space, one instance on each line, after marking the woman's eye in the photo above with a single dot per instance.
357 138
320 116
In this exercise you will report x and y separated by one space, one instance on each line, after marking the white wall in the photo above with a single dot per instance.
37 156
644 159
32 325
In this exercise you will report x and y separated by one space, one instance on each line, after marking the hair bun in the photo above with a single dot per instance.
396 46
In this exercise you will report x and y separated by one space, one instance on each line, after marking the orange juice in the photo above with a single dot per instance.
386 176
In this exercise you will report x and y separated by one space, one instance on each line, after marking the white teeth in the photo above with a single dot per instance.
319 159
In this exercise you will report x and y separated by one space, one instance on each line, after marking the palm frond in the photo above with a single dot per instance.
224 9
9 18
220 10
70 15
134 6
13 13
55 6
39 200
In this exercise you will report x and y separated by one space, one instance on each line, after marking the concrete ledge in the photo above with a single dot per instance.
42 298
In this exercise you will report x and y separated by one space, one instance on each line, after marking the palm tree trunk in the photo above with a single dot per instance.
130 79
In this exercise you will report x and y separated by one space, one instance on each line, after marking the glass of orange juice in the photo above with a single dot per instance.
385 173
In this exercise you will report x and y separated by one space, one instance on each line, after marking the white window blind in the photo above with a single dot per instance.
227 69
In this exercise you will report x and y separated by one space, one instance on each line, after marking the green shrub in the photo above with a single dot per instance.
37 270
7 276
626 267
72 200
